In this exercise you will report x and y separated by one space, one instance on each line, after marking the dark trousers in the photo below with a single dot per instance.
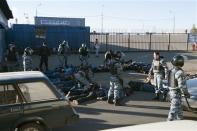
44 60
84 97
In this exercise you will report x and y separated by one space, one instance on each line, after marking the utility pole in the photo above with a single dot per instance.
102 19
174 21
37 9
174 24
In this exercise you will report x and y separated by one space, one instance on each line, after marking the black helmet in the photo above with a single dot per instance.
28 51
178 61
108 55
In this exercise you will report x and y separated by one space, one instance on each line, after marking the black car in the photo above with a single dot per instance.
29 101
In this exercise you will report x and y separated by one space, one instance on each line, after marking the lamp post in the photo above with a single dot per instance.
102 19
37 8
174 21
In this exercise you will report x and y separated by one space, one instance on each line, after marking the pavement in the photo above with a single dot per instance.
138 109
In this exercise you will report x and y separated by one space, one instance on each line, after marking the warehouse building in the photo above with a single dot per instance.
5 15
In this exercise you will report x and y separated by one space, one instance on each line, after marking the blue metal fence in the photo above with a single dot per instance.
33 36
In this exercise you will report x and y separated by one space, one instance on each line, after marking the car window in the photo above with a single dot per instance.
36 91
9 95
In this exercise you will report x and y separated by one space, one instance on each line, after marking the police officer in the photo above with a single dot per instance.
63 52
160 70
27 59
44 54
177 86
115 92
108 57
12 58
83 55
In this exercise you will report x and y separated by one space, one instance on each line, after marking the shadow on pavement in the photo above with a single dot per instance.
89 124
148 107
87 110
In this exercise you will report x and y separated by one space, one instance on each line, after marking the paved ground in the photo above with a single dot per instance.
138 109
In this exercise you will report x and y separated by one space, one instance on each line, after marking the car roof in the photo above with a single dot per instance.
183 125
23 76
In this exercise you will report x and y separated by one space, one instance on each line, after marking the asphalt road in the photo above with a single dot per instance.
138 109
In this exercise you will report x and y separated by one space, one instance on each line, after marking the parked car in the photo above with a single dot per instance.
29 101
192 88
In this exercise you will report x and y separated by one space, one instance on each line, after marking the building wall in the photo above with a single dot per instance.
3 19
4 23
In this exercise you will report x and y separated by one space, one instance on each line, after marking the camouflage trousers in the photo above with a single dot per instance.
158 82
176 112
116 89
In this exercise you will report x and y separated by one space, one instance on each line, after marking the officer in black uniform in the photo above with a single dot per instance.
83 55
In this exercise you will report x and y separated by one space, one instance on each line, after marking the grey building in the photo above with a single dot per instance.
5 15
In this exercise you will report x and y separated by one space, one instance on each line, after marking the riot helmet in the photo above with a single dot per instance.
178 61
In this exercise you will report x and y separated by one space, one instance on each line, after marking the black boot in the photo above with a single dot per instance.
117 102
110 100
156 96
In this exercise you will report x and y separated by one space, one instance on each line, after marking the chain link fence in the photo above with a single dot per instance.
141 41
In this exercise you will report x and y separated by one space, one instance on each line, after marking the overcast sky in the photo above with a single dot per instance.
118 15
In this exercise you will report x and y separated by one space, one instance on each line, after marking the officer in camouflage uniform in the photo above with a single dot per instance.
27 60
63 51
83 55
160 70
177 86
115 92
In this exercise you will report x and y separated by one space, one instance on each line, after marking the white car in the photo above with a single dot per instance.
184 125
192 88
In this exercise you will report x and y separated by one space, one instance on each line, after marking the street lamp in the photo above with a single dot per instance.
173 29
37 8
102 18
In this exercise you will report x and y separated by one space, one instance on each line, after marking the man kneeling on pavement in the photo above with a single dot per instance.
86 89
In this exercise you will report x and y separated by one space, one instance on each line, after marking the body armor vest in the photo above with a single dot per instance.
158 68
173 83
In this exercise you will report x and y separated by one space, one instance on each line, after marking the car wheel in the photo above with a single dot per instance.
31 127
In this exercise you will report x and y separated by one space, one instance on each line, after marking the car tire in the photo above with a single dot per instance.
31 127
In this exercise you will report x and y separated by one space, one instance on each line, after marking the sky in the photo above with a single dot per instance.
116 15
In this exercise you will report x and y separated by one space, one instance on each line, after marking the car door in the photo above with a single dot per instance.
11 107
42 103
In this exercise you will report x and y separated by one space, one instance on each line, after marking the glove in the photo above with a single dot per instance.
148 80
187 95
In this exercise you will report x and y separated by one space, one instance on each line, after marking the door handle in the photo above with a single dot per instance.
15 109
